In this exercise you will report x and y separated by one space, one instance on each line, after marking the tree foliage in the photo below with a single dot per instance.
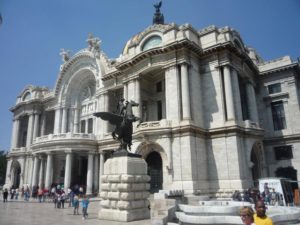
3 163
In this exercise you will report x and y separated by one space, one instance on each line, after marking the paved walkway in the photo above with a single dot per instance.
34 213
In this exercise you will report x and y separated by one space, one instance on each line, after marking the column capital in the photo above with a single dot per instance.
68 151
92 152
49 153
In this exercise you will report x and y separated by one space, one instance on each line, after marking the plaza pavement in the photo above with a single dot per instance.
19 212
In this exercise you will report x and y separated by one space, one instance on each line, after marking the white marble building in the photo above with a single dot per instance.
216 116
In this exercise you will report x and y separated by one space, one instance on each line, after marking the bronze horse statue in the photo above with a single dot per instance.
122 120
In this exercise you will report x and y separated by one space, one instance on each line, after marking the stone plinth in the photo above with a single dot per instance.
125 190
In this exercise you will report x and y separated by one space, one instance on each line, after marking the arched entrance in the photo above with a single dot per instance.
154 162
255 169
15 174
256 158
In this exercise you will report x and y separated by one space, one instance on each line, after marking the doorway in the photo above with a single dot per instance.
154 163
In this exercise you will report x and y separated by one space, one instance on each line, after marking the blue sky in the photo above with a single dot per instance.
33 32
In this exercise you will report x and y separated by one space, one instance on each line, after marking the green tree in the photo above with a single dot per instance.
3 163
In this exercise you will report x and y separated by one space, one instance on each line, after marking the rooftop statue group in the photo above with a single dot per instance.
122 118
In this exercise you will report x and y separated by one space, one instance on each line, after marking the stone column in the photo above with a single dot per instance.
64 120
251 102
138 111
22 175
35 171
76 122
237 95
89 176
8 171
106 109
49 169
36 125
228 93
185 92
86 126
96 173
67 181
101 169
30 163
41 172
43 123
125 91
173 111
29 131
131 90
15 133
57 121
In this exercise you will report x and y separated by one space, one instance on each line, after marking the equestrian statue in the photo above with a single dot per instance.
122 118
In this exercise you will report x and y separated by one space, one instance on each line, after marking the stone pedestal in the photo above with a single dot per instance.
124 190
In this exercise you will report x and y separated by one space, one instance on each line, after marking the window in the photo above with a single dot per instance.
274 88
159 110
159 86
27 96
82 126
278 115
90 125
283 152
152 42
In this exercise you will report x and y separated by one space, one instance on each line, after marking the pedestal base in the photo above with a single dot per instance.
124 189
124 215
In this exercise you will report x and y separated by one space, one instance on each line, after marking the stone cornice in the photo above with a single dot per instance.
282 140
178 45
279 69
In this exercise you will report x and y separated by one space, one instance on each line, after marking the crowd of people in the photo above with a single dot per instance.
55 194
252 195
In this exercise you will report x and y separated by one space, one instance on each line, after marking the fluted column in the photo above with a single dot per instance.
101 169
125 91
237 96
185 92
86 126
96 173
35 171
228 93
76 121
8 171
106 109
89 177
15 133
29 131
41 172
64 120
172 94
67 181
43 123
49 169
138 112
251 102
22 174
57 121
36 126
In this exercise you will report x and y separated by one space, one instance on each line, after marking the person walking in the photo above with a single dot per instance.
40 194
5 195
260 218
246 214
76 205
85 204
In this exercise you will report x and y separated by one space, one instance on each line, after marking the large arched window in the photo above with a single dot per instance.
27 96
151 42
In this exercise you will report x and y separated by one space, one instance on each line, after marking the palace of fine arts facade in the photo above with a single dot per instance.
215 116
